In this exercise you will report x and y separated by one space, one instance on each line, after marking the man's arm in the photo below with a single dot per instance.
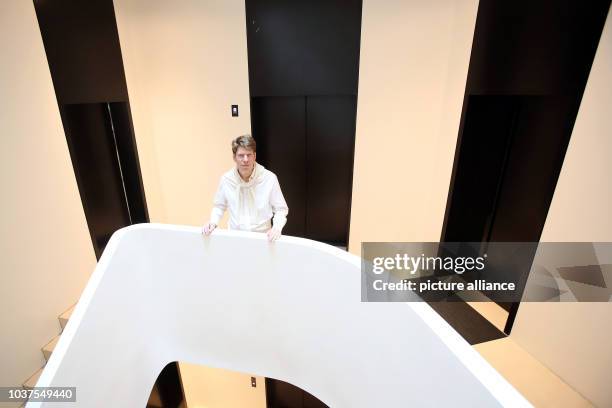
219 207
280 210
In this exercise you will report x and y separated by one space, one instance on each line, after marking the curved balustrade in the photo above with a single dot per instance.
289 310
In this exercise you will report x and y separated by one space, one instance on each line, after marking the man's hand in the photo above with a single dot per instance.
273 234
208 228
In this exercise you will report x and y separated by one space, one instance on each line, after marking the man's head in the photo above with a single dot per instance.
245 151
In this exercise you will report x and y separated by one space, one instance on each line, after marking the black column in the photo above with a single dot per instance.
82 46
307 51
528 69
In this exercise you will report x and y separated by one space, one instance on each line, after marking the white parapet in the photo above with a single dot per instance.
289 310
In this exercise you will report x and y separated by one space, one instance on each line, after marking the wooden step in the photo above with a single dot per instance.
48 348
63 318
31 382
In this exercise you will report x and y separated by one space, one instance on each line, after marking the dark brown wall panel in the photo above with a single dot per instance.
534 162
303 47
330 140
489 122
82 47
90 138
128 155
307 51
279 127
541 47
530 59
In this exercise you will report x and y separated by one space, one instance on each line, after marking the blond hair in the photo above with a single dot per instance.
245 141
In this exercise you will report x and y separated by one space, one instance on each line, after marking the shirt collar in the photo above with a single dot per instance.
240 179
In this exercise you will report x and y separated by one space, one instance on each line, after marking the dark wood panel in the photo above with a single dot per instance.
128 155
167 391
279 126
94 159
308 50
486 137
330 139
303 47
511 155
540 139
541 47
537 55
82 47
84 56
470 324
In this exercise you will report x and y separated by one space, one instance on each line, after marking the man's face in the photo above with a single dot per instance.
245 159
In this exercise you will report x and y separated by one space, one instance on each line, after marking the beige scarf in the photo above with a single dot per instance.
245 191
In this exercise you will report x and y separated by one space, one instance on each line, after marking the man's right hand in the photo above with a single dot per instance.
208 228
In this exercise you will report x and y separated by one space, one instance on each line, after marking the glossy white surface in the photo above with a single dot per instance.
289 310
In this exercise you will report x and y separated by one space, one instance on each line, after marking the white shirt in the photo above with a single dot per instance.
251 204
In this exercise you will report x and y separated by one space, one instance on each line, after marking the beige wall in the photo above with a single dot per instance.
46 252
573 339
186 64
216 388
413 68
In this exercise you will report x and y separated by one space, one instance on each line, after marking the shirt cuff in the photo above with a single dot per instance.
215 215
279 222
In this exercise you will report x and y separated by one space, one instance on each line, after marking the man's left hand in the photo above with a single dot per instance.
273 234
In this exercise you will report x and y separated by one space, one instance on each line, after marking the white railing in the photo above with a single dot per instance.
289 310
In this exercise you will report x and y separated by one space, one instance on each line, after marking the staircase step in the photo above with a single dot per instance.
48 349
63 318
31 382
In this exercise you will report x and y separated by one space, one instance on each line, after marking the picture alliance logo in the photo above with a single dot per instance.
414 264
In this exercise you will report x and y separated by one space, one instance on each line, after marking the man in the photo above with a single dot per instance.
251 193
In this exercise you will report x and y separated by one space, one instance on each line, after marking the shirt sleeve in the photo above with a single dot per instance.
279 206
219 205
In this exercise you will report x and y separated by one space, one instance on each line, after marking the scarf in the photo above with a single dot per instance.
245 191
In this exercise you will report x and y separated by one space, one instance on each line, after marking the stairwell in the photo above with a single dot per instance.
154 400
47 349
